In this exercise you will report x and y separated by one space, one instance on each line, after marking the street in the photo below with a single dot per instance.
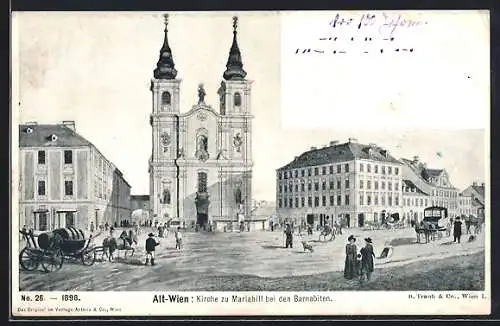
228 256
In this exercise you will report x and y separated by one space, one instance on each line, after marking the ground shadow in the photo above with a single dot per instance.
402 241
447 243
272 247
129 261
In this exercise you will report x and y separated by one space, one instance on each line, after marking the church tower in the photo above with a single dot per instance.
165 90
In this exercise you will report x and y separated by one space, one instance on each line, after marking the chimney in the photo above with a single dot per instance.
313 148
415 158
334 142
474 184
69 124
482 184
353 140
372 145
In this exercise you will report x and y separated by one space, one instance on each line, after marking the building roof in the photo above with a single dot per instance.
410 185
431 173
479 190
41 136
139 197
340 153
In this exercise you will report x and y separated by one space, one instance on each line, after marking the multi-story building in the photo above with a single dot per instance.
434 183
465 205
141 210
415 200
65 180
350 182
477 193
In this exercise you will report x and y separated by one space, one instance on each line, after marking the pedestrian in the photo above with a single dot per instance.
160 231
448 228
151 244
289 236
106 225
366 261
92 227
457 230
178 238
350 258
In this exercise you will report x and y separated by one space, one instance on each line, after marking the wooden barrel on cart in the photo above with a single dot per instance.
69 239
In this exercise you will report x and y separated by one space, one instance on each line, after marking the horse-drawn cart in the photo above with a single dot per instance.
429 226
51 248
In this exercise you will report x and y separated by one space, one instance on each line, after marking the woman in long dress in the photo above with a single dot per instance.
350 259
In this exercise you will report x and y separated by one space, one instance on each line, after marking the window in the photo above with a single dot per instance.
302 187
347 184
280 203
346 201
375 200
166 98
389 186
309 172
426 202
368 184
309 201
237 99
286 188
323 185
316 201
396 186
361 167
396 200
396 171
316 171
202 182
68 157
338 168
389 200
331 169
339 200
281 188
290 187
368 200
382 199
303 172
421 202
280 176
361 199
41 188
361 184
41 157
297 187
347 167
68 188
332 184
382 185
323 170
332 200
285 175
285 202
290 202
296 173
368 168
389 170
316 186
309 186
376 169
375 184
323 201
302 201
383 169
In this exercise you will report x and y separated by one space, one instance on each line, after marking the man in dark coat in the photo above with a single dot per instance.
367 256
151 244
289 236
457 230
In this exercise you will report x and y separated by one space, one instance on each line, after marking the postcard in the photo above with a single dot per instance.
250 163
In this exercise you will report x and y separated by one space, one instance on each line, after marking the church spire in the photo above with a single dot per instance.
234 65
165 68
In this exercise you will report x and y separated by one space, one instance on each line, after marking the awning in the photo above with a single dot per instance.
66 211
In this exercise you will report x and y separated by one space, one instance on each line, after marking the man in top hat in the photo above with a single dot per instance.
151 244
457 230
366 260
289 236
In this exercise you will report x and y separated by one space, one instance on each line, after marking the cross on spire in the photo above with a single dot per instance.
165 18
235 23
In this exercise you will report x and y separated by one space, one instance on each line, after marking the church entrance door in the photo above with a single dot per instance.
202 200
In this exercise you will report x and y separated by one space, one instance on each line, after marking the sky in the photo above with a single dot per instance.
95 69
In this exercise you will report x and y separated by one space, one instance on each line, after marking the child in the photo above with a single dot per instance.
178 238
150 249
358 264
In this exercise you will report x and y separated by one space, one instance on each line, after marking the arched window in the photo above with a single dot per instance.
166 98
237 99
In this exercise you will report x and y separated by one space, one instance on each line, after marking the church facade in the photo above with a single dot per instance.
201 163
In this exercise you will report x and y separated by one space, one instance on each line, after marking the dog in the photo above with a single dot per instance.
307 246
472 238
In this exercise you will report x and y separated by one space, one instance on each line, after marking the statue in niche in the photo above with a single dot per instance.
201 94
222 97
202 148
237 142
165 141
166 197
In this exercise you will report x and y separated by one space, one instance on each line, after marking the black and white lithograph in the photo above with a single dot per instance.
250 163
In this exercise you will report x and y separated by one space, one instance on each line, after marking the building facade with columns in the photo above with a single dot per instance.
66 181
201 163
352 183
476 192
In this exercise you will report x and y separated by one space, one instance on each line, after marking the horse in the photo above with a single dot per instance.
124 242
327 230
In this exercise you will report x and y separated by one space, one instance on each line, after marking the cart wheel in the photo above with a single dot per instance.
52 260
88 257
28 260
